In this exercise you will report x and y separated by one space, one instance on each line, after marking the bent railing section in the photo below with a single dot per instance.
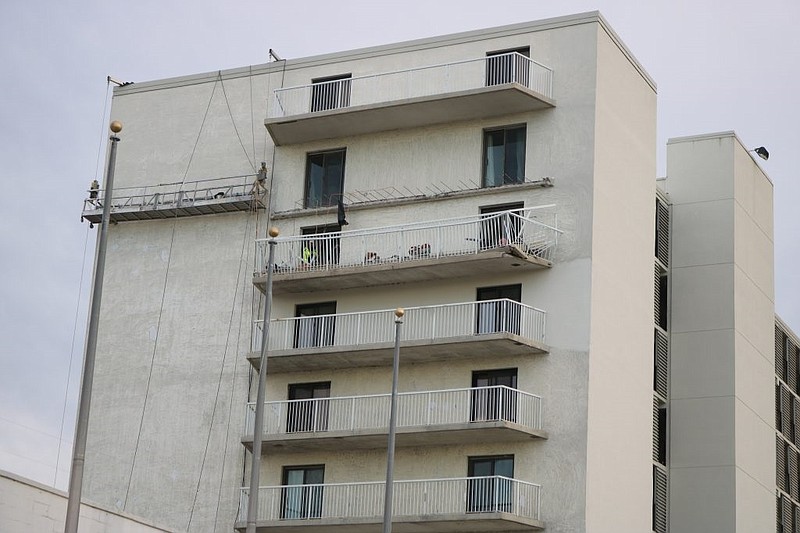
533 231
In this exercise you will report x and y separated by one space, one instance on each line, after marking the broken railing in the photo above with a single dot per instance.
531 232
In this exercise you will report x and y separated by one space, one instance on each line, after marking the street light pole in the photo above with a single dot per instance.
388 493
82 424
258 423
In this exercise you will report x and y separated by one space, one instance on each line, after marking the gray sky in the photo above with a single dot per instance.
718 65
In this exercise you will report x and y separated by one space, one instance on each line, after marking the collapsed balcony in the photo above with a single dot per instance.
493 243
496 85
180 199
495 328
472 504
428 418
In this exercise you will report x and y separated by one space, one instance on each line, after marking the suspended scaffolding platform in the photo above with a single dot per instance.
179 199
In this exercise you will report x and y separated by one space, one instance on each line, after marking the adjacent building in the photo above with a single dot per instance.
583 348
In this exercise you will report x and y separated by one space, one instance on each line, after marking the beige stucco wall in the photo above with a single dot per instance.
27 506
722 443
619 443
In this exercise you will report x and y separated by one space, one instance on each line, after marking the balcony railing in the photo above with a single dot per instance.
217 195
424 323
529 233
363 414
419 501
411 83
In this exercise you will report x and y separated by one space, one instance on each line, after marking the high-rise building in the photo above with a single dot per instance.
582 349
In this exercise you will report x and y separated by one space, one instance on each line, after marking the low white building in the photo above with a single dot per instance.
27 506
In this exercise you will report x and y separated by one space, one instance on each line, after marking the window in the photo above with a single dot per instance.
495 403
504 156
321 248
500 228
495 316
324 178
508 66
301 496
316 326
330 93
308 407
487 493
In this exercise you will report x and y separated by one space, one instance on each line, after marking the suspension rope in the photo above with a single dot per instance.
233 388
221 372
197 140
230 113
252 118
161 305
80 286
71 353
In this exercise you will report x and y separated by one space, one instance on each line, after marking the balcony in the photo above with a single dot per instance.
463 90
493 243
180 199
429 418
493 328
492 503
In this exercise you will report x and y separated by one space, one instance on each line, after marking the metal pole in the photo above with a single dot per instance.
258 423
387 497
82 424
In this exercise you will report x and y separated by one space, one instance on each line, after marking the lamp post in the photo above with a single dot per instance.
82 423
255 463
387 497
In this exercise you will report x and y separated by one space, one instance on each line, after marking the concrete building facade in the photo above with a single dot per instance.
500 186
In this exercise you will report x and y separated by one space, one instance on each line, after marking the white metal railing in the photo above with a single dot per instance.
414 409
532 230
427 498
178 194
414 83
445 321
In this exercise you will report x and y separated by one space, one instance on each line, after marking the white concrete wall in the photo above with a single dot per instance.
172 380
619 442
27 506
722 436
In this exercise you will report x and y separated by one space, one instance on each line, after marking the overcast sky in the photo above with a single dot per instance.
719 66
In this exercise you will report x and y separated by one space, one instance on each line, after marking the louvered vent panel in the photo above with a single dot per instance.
779 344
796 517
787 513
786 415
791 370
778 412
796 416
662 233
792 481
659 500
780 462
661 364
656 295
793 364
778 526
655 430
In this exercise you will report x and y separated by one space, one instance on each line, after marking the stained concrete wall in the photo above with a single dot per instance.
722 451
27 506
